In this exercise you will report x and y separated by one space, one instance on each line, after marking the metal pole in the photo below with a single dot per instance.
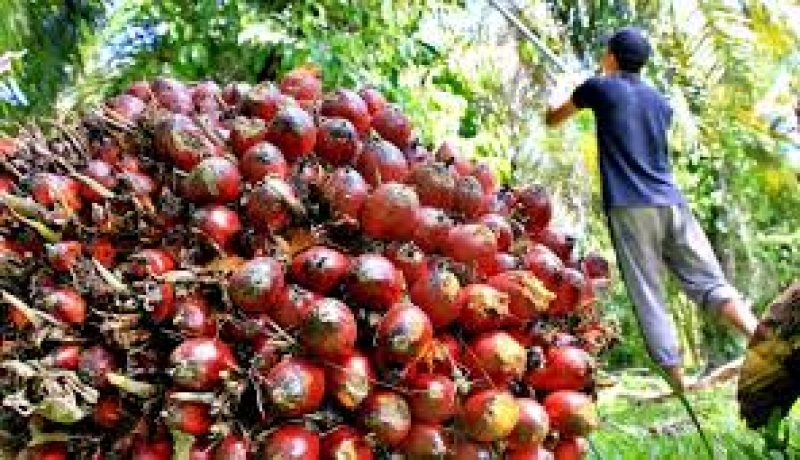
531 37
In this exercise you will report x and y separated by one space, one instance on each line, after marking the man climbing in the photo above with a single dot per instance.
650 223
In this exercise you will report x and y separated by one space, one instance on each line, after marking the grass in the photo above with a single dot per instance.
638 431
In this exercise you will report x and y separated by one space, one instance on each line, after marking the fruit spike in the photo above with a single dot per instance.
282 272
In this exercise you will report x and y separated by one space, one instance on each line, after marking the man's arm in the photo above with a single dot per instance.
556 116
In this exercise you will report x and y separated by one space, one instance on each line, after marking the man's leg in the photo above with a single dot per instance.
739 316
637 234
690 257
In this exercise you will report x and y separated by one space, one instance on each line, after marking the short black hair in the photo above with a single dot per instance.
630 48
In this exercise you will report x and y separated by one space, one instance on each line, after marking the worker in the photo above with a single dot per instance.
649 220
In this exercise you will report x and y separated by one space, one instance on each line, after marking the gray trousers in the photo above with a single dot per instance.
648 239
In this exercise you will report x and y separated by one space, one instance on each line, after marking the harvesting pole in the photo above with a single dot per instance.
536 41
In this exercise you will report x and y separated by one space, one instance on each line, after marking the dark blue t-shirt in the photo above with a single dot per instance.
632 121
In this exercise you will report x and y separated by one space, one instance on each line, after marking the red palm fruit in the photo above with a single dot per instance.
486 177
544 264
409 259
437 294
386 414
103 251
568 292
501 202
571 413
464 449
56 190
66 305
201 364
440 358
302 83
374 99
381 162
344 103
345 443
64 357
501 227
233 94
138 184
390 212
529 453
393 125
206 97
151 262
416 154
193 317
262 160
489 415
217 223
447 154
558 242
426 441
7 184
495 358
202 450
503 262
47 451
482 307
435 184
140 89
256 286
264 101
266 353
96 363
108 411
574 448
155 449
161 298
293 306
470 200
189 417
532 427
432 398
213 180
101 172
233 447
535 208
295 387
432 229
337 141
595 266
329 330
272 205
528 297
373 281
471 244
404 333
566 368
245 133
293 131
345 191
178 138
173 95
291 442
319 269
64 255
350 379
127 107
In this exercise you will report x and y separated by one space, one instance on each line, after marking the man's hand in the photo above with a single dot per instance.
559 103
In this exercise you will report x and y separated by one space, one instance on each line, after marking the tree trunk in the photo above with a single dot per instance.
720 341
